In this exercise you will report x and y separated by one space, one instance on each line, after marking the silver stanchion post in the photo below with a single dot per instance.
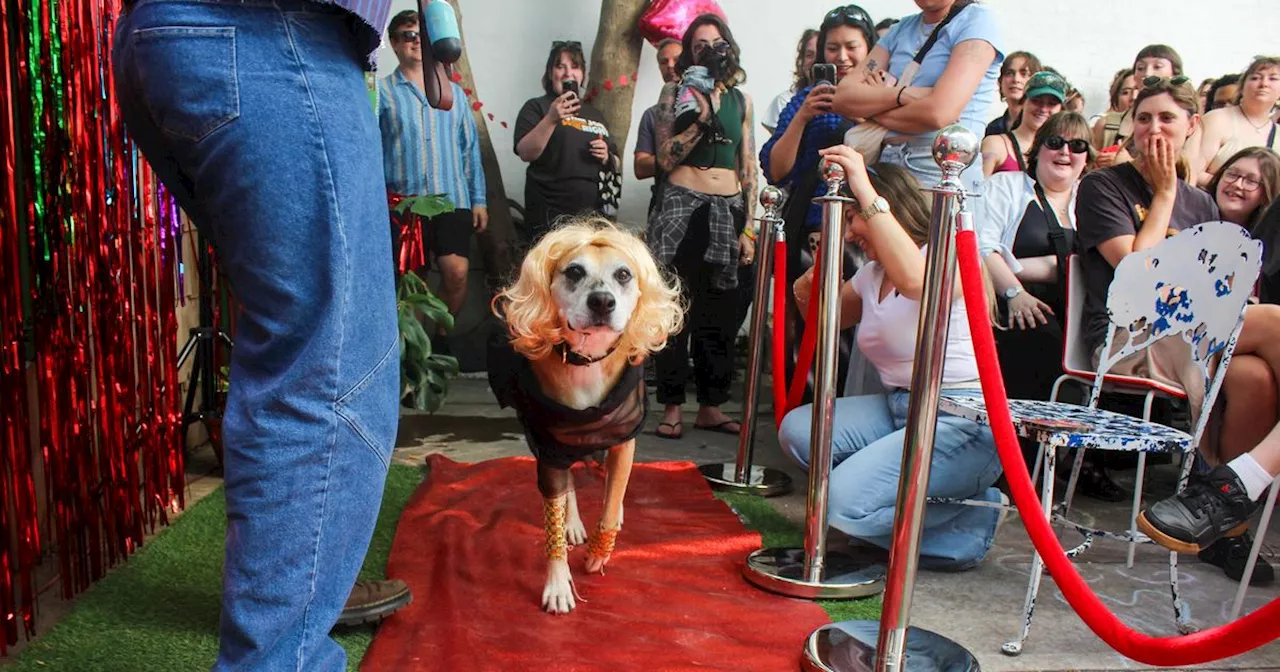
742 476
812 572
887 646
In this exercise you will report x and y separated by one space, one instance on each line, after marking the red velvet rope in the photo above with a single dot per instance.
1224 641
779 331
804 362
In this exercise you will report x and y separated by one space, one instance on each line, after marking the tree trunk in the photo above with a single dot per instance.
497 241
615 59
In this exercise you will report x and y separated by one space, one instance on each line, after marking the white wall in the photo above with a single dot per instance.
1087 40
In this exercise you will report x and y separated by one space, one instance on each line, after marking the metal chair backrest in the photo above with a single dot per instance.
1194 285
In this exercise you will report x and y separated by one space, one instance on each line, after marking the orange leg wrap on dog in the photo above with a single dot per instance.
554 513
601 541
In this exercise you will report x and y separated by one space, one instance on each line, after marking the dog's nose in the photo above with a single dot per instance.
601 303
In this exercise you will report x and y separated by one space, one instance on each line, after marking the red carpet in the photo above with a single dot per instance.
470 545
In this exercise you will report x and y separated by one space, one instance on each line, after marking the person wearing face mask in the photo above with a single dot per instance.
1045 94
1247 123
806 54
703 228
790 160
1016 70
565 142
1123 90
1246 186
1154 60
1132 207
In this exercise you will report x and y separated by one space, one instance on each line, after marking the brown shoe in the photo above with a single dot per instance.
373 601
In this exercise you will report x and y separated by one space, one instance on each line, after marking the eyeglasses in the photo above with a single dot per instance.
719 46
407 35
1247 182
852 13
566 44
1057 142
1153 81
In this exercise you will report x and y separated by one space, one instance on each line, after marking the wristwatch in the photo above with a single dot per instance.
1012 291
877 206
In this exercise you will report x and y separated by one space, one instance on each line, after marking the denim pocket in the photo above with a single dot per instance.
188 75
372 407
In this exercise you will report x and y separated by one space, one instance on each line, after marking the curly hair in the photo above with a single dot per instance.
533 319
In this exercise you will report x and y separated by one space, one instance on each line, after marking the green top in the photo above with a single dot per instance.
721 150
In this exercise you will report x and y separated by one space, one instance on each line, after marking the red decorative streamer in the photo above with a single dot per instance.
89 259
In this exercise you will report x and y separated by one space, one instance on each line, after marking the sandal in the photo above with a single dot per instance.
722 428
677 430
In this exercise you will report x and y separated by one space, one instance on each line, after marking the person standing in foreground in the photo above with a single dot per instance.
256 116
646 152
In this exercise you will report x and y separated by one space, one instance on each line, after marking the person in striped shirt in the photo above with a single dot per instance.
430 151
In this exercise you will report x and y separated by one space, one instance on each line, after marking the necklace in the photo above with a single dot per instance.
1256 127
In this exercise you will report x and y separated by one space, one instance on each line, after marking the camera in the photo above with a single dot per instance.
823 73
570 85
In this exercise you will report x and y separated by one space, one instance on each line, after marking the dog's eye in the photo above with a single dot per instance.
622 275
575 273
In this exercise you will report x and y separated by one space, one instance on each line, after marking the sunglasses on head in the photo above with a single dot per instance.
408 35
566 44
1057 142
1154 81
852 13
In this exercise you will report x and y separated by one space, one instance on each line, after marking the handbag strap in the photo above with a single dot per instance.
1017 152
1057 236
937 30
1271 138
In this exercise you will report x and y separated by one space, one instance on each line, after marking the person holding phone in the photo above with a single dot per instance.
565 142
790 160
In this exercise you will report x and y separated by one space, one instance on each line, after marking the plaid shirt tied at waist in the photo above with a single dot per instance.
669 223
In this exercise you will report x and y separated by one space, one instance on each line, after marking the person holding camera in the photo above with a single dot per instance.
699 229
566 143
790 158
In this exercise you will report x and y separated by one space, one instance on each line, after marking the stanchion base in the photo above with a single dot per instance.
761 481
845 576
850 646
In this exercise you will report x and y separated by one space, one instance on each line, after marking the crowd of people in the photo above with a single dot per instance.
872 96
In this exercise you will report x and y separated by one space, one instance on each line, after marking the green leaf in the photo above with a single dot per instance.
430 205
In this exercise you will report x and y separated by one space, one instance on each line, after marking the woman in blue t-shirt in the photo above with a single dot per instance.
956 81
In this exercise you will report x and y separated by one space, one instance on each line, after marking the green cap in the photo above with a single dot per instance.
1046 84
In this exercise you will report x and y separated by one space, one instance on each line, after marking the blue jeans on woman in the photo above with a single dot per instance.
917 157
255 115
866 447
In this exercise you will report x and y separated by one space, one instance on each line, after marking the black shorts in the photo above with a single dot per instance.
449 233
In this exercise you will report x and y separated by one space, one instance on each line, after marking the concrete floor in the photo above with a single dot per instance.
981 609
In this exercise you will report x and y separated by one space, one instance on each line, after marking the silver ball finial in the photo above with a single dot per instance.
832 171
955 149
770 197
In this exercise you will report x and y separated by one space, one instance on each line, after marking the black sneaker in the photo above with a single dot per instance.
1213 506
1232 553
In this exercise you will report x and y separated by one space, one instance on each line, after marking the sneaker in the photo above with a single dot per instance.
1232 553
1213 506
373 601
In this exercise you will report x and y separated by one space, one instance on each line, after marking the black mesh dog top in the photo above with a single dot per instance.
558 435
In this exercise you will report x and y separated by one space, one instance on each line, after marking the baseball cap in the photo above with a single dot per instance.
1046 84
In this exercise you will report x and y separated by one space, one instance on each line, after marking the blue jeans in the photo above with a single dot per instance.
866 448
255 114
917 157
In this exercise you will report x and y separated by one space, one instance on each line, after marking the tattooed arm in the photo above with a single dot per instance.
747 166
673 148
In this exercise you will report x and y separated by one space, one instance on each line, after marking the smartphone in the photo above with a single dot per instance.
570 85
823 73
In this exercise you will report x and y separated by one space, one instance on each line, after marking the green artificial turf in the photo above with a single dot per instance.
777 531
159 610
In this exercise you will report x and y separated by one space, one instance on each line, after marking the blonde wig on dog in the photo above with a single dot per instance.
532 316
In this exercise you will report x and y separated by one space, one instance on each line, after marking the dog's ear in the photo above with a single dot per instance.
528 307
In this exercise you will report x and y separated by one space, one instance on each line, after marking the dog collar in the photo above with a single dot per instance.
568 356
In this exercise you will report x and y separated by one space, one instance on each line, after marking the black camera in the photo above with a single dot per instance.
823 73
570 85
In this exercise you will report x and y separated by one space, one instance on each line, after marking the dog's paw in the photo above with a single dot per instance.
600 548
558 595
596 563
574 531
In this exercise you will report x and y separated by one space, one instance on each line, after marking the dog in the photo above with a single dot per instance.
589 305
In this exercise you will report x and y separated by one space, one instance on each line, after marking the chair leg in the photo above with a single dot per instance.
1076 465
1253 552
1137 506
1180 615
1035 472
1037 565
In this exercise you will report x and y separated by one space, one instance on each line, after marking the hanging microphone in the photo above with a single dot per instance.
442 31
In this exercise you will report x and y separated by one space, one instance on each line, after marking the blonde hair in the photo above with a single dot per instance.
532 316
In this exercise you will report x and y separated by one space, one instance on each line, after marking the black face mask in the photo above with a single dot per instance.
719 65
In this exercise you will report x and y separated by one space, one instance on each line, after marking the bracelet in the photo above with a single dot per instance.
749 233
899 98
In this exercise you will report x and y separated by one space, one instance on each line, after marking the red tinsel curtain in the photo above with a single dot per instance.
90 257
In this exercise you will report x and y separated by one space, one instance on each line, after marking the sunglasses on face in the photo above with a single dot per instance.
1057 142
1154 81
720 47
408 35
1247 182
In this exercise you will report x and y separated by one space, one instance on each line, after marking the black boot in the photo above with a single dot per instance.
1213 506
1232 553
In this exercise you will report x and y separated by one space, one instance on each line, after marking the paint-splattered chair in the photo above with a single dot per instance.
1193 287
